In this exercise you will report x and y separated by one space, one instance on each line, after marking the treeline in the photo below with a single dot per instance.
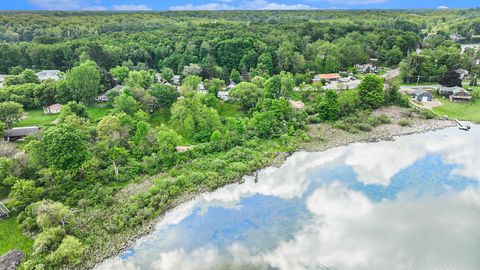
251 42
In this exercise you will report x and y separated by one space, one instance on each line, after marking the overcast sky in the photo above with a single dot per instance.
228 4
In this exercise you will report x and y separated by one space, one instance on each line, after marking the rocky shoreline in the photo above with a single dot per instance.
323 137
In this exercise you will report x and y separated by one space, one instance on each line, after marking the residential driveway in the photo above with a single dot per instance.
430 104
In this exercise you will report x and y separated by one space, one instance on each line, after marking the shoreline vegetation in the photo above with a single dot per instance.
132 114
323 137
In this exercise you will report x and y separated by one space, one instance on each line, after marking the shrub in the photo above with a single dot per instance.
404 122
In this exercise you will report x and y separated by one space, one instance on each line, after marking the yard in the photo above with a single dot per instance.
462 111
38 118
12 238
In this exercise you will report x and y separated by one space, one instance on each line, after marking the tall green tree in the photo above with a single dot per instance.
371 91
192 119
83 82
64 147
165 95
10 112
329 107
247 94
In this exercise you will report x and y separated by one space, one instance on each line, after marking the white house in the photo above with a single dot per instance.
223 95
2 79
176 79
201 88
49 75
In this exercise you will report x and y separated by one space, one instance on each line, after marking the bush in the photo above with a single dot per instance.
426 114
404 122
363 121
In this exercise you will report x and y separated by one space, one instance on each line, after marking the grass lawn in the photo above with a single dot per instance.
11 237
97 112
36 118
461 111
230 110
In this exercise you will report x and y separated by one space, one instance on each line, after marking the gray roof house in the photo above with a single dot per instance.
48 74
456 93
422 95
19 133
231 85
456 37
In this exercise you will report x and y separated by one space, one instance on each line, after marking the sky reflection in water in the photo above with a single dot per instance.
409 204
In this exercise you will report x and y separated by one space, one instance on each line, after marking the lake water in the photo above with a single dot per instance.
413 203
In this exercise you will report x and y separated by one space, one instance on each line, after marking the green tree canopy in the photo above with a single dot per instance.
247 94
371 91
165 95
83 82
10 112
64 147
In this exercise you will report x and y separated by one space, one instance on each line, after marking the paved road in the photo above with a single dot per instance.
419 86
392 74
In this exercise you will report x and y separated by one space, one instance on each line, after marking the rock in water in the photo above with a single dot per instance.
11 260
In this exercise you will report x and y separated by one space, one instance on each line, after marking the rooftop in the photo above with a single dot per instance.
329 76
21 131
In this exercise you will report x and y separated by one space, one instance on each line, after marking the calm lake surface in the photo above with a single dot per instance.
413 203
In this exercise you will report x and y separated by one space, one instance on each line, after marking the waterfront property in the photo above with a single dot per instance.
455 93
422 95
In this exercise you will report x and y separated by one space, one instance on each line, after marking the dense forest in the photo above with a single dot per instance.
85 185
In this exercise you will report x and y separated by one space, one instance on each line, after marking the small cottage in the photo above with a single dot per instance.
53 75
201 88
421 95
52 109
15 134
